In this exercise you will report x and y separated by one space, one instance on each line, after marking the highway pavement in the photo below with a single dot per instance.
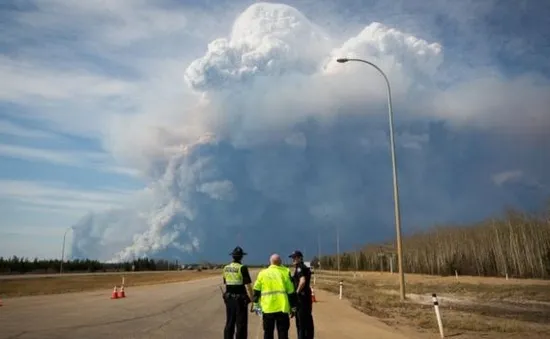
192 309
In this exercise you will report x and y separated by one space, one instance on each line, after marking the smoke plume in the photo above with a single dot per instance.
279 143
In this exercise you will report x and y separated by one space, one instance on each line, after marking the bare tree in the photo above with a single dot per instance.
517 245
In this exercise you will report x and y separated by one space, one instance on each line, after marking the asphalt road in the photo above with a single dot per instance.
191 310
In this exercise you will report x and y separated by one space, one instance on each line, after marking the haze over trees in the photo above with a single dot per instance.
16 265
517 245
20 265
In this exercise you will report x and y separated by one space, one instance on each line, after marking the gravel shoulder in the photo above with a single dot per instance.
471 307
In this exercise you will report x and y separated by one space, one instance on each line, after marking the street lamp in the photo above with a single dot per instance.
395 183
63 249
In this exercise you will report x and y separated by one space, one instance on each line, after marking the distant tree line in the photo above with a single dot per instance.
20 265
517 245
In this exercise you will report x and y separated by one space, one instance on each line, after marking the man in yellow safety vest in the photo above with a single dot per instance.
275 298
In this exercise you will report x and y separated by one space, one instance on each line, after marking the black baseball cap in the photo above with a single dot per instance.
296 254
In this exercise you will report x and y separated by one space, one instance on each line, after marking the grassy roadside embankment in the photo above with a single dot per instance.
471 307
18 287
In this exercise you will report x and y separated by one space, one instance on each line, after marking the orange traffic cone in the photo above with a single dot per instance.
313 299
114 295
121 293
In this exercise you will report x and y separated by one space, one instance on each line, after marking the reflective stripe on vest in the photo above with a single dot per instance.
273 292
232 274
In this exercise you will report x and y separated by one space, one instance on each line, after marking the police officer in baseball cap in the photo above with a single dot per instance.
302 279
237 296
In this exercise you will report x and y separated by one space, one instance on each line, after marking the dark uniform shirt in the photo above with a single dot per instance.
301 270
239 289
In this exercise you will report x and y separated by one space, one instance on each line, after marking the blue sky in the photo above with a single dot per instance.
163 128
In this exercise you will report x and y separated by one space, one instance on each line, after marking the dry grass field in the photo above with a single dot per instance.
471 307
78 283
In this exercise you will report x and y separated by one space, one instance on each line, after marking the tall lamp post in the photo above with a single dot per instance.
63 249
397 211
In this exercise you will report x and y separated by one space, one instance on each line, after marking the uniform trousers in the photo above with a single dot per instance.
304 318
236 316
279 320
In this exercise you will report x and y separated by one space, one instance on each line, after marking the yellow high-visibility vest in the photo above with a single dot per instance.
275 285
232 274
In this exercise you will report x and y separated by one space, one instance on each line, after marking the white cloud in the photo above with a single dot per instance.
29 81
54 196
266 39
117 23
392 50
493 102
277 68
109 67
73 101
93 160
9 128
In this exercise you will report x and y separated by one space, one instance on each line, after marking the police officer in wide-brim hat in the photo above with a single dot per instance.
302 279
237 296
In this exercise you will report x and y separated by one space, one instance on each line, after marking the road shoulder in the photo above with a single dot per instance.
336 318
